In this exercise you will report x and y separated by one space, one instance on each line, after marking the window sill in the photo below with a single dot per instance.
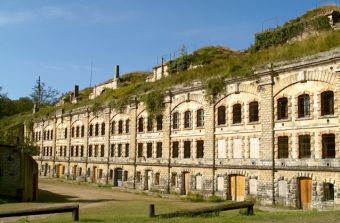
254 123
237 124
283 120
327 116
304 118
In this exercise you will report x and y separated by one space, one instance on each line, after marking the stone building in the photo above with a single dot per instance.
273 136
18 174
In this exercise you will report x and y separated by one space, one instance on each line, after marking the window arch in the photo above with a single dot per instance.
200 118
327 103
303 106
187 119
175 120
253 111
141 124
282 108
237 113
221 115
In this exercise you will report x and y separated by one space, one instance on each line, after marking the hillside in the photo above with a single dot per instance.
213 64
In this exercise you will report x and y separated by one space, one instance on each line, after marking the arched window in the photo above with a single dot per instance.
303 106
187 119
72 132
77 131
120 126
103 129
91 130
175 120
96 130
327 103
253 111
159 121
237 113
282 108
82 132
200 118
141 124
221 116
150 125
127 126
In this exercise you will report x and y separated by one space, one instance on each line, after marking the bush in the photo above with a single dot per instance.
214 198
213 86
154 103
195 197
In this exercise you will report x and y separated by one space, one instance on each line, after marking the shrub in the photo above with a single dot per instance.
213 86
214 198
154 103
195 197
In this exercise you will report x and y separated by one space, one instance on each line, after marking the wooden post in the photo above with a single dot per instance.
152 210
75 214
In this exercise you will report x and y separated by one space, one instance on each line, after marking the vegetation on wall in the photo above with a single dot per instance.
213 86
153 102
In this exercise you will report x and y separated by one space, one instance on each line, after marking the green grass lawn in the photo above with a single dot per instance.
102 204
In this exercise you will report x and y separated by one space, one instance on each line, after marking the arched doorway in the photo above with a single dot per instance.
118 177
185 183
236 187
305 192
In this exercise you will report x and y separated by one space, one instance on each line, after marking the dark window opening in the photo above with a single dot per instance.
221 115
141 124
327 103
200 118
120 150
150 125
159 150
328 146
120 127
127 126
187 149
159 121
187 119
140 150
103 129
96 130
253 111
200 149
328 192
282 108
237 113
127 150
175 149
282 144
175 120
149 150
304 146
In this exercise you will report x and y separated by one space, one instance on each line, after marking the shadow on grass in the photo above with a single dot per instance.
6 200
45 196
91 220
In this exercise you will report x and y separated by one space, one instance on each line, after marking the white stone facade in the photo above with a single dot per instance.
273 136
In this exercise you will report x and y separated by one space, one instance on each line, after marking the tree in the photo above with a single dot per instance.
43 95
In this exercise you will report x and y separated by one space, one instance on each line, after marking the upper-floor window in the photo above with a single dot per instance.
327 103
187 149
175 149
303 106
253 111
237 113
282 145
149 127
82 131
149 150
159 150
304 146
103 129
65 133
175 120
200 149
91 130
141 124
127 126
96 129
72 132
159 120
187 119
328 146
77 131
221 115
127 146
282 108
120 126
140 150
200 118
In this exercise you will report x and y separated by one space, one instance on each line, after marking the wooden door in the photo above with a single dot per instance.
118 182
305 187
236 187
59 170
94 174
186 183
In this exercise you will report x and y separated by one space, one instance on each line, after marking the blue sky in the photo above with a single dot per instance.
58 40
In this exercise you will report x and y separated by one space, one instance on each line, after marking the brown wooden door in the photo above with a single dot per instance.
59 169
94 174
305 188
237 187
